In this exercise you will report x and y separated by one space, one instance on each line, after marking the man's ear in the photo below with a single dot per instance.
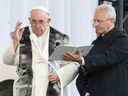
29 19
49 19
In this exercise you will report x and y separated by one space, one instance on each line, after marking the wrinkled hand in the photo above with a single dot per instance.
53 78
17 34
68 56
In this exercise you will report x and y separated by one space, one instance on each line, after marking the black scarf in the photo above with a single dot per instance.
24 69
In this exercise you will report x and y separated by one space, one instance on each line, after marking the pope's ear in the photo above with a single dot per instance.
29 18
49 19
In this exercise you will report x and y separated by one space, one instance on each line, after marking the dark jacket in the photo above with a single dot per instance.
106 67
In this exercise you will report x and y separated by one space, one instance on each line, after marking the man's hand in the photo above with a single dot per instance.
17 34
53 78
68 56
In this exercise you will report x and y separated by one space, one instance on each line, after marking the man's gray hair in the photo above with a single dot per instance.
108 9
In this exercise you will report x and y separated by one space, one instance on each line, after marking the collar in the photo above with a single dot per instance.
111 28
108 37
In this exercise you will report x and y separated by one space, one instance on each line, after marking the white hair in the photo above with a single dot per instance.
109 9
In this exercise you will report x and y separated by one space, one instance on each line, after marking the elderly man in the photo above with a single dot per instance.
104 70
30 50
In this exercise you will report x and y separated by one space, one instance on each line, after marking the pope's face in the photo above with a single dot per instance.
39 21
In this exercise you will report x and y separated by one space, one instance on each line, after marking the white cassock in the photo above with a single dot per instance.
40 63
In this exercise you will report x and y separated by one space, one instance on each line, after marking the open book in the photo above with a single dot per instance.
60 50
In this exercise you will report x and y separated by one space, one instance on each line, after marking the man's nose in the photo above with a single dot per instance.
37 25
95 23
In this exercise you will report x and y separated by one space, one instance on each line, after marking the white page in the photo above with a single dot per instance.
60 50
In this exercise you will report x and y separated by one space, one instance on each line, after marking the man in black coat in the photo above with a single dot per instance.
105 68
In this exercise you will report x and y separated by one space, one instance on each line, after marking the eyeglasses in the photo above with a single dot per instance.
99 21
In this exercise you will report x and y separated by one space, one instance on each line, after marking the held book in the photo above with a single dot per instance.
60 50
